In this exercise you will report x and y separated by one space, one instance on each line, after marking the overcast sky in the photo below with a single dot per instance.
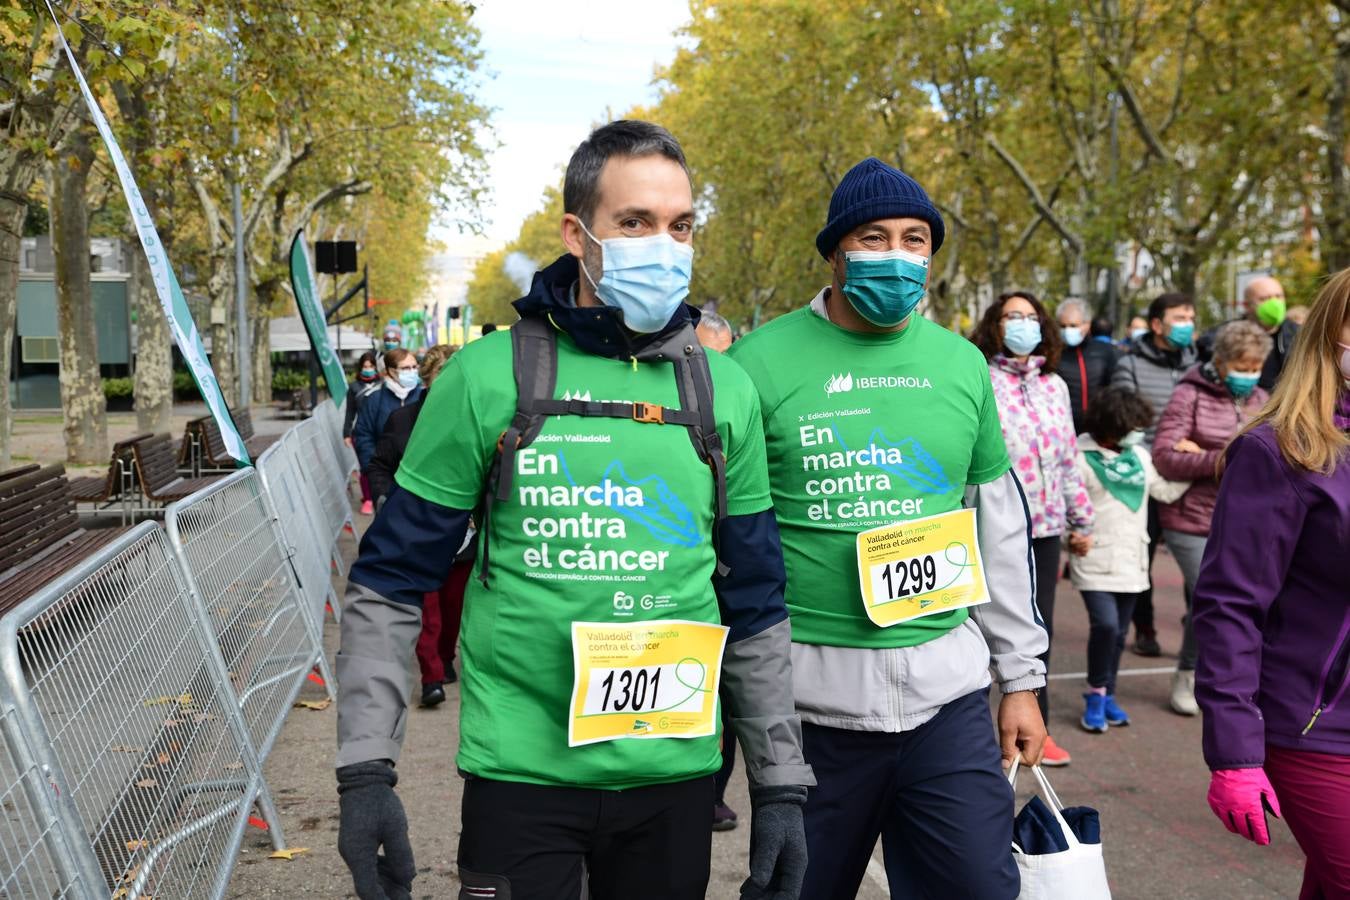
553 69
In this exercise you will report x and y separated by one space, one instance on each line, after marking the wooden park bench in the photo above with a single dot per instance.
208 447
153 460
100 491
295 407
41 537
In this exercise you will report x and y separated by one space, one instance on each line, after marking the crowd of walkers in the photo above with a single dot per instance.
709 580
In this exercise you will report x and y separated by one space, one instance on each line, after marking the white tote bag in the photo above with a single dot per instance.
1078 873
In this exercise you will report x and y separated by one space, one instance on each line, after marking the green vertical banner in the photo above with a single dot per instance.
184 330
316 324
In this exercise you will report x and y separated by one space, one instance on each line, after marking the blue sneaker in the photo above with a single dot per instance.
1114 714
1094 715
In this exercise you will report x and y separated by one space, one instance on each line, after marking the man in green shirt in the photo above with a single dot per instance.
608 464
874 416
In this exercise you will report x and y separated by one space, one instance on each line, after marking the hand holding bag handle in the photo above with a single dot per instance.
1078 873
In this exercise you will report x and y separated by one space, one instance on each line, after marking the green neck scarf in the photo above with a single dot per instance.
1121 475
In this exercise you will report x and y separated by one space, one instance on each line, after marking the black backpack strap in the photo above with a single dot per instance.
534 362
534 357
693 380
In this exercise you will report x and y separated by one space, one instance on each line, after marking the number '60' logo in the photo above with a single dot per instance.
623 601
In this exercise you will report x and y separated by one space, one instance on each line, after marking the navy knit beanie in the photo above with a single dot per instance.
873 190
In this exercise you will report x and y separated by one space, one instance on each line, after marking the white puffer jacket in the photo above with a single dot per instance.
1118 560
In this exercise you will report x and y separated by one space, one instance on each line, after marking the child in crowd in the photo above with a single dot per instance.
1120 477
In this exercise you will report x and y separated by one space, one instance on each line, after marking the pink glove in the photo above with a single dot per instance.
1241 798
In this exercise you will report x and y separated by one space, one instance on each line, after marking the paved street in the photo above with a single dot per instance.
1148 782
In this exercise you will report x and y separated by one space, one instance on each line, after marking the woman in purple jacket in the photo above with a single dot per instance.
1272 609
1207 410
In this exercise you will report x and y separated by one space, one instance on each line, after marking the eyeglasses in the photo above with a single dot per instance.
1019 317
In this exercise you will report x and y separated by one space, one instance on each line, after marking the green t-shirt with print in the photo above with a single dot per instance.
865 430
609 520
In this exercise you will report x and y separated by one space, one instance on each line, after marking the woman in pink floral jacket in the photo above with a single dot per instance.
1023 345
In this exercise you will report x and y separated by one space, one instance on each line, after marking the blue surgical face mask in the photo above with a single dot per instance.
1073 335
1241 384
1180 334
367 372
1021 336
645 278
391 345
1137 333
884 286
1133 439
408 378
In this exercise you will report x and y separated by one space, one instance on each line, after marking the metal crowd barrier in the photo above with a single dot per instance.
316 455
140 693
327 413
35 846
227 538
127 768
302 522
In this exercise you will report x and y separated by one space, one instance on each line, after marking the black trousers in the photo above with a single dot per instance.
936 795
1046 553
536 842
1143 605
723 776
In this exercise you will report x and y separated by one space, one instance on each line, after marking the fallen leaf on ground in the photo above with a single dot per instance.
314 704
147 783
133 846
289 853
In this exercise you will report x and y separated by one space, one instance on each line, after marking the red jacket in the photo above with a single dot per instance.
1201 410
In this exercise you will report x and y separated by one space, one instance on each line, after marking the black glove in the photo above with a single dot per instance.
777 843
372 816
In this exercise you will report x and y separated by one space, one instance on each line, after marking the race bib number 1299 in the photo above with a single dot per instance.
920 568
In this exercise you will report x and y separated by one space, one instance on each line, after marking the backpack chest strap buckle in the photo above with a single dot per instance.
651 413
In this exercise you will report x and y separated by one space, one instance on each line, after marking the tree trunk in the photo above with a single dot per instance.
83 405
262 359
153 390
12 212
220 292
1336 215
1186 270
222 348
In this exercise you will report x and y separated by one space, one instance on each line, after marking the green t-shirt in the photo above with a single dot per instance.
865 430
609 520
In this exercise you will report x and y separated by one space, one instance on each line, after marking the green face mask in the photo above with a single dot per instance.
1271 312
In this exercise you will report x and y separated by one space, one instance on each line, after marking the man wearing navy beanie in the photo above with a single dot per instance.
907 546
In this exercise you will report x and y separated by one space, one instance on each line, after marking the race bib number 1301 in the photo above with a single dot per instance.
920 568
644 680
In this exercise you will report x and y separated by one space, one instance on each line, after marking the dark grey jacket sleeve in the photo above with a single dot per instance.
1010 622
757 665
406 552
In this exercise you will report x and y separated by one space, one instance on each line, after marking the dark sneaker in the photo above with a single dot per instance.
1094 713
724 819
1146 644
432 695
450 676
1114 714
